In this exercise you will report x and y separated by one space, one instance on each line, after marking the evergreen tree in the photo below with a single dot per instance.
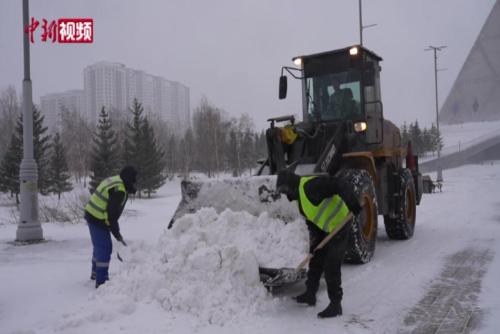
132 154
9 170
426 141
405 137
59 172
105 154
142 151
415 135
436 138
41 142
152 173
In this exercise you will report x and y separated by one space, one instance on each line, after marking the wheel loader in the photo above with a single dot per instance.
342 132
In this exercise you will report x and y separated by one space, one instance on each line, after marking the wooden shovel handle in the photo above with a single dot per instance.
325 241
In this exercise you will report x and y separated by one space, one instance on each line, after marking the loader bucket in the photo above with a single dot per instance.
253 194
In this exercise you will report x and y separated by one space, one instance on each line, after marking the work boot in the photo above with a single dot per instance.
307 297
332 310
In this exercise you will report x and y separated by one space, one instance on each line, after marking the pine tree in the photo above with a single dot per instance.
41 142
132 154
9 170
105 155
405 137
436 138
152 170
415 135
59 172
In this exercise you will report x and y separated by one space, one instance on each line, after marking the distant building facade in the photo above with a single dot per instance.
115 86
105 85
53 104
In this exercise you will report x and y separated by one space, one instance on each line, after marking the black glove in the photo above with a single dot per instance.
117 235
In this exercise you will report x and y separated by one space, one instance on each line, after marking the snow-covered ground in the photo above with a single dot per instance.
201 276
463 133
458 137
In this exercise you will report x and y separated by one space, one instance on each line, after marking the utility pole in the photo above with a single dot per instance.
29 228
361 26
436 49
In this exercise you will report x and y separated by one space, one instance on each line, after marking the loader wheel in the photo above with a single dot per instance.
363 235
402 226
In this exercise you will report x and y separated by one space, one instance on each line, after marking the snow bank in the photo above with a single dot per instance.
206 265
238 194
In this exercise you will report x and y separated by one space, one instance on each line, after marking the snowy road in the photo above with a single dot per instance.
443 280
451 303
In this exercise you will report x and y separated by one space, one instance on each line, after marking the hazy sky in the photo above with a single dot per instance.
232 51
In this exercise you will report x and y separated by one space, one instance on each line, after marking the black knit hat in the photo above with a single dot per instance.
129 176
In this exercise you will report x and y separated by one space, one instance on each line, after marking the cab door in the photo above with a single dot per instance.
373 102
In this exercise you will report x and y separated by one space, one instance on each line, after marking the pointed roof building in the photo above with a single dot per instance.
475 95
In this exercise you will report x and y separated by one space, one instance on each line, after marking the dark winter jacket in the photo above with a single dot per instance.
116 203
114 209
317 189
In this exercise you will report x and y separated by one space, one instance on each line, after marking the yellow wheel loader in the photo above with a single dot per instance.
343 133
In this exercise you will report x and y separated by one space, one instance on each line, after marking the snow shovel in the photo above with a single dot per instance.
119 247
289 275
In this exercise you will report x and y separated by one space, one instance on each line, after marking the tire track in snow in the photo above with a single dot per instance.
450 305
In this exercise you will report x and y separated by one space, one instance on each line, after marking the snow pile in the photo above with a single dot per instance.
250 194
207 266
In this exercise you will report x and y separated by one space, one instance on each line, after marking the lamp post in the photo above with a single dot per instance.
29 228
435 49
361 26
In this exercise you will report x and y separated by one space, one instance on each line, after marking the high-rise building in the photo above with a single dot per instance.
53 104
115 86
181 115
105 85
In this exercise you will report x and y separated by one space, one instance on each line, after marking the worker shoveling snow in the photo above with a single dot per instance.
207 265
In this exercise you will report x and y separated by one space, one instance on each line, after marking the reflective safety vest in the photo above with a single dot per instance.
327 214
98 203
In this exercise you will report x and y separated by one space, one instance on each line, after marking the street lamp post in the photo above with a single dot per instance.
361 26
29 228
435 49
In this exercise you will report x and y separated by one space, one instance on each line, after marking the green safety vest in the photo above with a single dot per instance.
98 203
327 214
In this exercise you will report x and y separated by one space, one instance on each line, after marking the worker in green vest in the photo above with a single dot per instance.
324 201
102 213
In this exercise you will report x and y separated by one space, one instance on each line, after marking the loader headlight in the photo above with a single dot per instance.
353 51
297 61
360 126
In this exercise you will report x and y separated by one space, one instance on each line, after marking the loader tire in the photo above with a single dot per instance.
402 226
363 234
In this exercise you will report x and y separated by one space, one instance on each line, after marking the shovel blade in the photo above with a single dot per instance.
277 277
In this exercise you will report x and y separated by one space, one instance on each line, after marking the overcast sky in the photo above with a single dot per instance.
232 51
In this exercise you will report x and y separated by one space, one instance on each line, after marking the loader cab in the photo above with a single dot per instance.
342 85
